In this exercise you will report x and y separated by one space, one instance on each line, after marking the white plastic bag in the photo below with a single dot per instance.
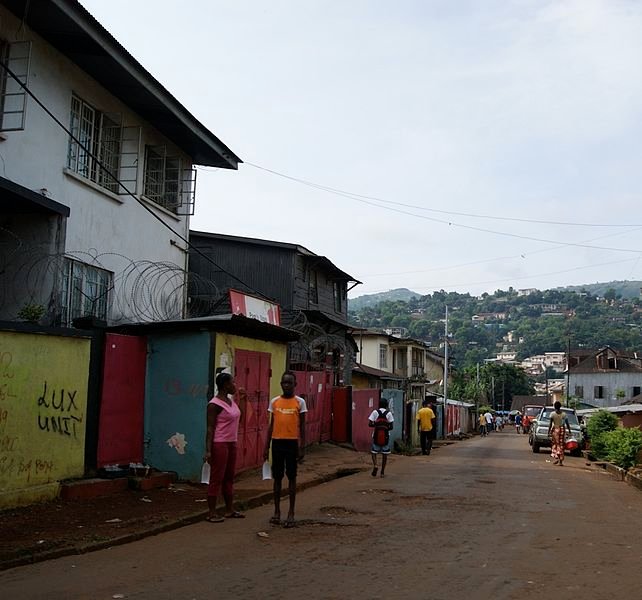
205 473
267 470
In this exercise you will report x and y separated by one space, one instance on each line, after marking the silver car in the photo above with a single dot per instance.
538 436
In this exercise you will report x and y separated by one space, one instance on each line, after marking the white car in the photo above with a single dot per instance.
538 435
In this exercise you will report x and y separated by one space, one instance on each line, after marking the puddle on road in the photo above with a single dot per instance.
342 511
411 500
378 491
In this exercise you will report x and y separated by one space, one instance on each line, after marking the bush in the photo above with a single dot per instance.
622 446
31 312
601 422
598 445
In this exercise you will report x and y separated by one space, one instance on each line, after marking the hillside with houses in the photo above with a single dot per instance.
512 325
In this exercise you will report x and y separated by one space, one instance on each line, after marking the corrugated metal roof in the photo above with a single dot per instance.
322 261
371 371
228 323
620 410
74 32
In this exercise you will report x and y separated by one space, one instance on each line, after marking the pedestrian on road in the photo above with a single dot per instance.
483 427
518 423
286 433
223 415
489 421
557 433
382 421
425 424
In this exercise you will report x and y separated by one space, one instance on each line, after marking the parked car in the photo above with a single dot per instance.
530 413
538 436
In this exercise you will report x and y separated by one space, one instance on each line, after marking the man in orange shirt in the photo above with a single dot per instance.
287 435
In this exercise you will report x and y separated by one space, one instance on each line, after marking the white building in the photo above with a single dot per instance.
74 241
604 377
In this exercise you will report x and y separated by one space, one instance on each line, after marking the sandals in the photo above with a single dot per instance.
214 519
235 515
374 471
275 520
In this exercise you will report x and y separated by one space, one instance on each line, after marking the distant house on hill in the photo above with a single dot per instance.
489 316
605 377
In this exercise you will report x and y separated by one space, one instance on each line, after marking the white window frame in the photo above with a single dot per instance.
383 356
169 180
86 291
13 97
104 140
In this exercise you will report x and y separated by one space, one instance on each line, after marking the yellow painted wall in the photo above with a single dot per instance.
43 407
226 344
360 382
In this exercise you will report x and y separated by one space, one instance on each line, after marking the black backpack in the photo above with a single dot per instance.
381 433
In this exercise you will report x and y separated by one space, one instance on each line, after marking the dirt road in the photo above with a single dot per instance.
484 519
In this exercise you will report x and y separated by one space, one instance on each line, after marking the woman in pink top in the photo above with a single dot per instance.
223 417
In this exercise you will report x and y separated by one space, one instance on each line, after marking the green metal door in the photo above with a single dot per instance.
176 396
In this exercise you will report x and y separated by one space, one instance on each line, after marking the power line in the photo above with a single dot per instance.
120 183
362 199
469 283
436 210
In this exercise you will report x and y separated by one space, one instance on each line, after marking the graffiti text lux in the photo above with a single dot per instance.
63 421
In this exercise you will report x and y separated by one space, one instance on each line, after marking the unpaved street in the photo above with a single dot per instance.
484 518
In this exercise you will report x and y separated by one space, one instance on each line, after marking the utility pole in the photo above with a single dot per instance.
477 396
568 369
445 418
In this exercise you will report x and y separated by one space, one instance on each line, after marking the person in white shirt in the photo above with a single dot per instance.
489 421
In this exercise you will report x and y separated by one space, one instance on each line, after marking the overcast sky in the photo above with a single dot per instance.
499 109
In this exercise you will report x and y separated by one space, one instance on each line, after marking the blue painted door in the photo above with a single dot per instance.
176 397
395 403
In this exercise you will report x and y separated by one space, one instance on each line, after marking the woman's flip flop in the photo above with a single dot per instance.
215 519
235 515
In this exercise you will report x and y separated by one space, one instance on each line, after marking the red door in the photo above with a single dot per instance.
252 372
120 433
363 403
313 388
341 414
326 408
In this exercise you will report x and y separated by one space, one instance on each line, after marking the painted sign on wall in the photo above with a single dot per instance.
43 406
255 308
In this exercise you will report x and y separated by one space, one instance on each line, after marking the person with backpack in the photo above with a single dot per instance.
381 420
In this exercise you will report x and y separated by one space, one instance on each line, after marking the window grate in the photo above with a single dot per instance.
85 292
105 150
13 97
168 182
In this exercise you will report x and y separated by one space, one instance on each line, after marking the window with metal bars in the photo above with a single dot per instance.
383 356
13 97
99 138
169 182
85 292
